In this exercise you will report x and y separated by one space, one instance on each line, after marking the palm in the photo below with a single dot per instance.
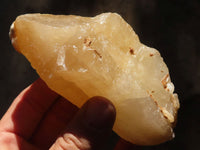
35 119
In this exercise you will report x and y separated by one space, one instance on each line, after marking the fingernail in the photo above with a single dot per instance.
99 113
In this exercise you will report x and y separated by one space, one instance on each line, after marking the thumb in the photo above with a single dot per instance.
90 127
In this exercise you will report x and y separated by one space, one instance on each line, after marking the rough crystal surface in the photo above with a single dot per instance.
80 57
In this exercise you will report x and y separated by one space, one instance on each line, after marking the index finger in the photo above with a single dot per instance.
27 109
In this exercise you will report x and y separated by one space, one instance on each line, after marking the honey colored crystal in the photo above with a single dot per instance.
81 57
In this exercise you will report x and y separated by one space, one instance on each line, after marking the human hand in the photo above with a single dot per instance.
41 119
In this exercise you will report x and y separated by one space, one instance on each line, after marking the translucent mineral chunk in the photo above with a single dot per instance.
81 57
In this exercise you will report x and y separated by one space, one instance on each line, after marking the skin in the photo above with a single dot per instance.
41 119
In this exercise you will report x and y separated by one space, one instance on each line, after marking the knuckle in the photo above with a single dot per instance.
70 142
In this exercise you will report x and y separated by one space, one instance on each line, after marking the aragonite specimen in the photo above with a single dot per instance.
81 57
